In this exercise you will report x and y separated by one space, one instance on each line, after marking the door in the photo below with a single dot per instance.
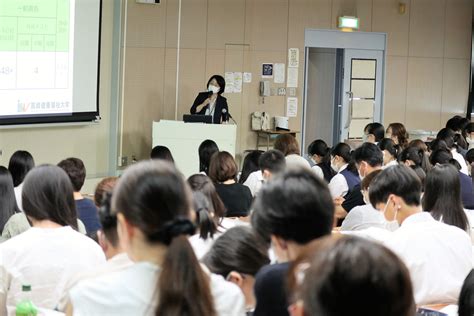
361 91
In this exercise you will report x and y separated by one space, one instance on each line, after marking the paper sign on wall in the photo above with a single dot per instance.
291 107
279 73
292 81
247 77
293 57
229 82
237 82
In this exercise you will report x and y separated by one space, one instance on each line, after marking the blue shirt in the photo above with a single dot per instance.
88 214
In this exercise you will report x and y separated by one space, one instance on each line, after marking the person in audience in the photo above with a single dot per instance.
365 216
398 133
8 206
292 212
454 123
347 177
152 203
271 163
21 162
390 152
351 276
442 196
466 298
447 135
368 158
421 174
438 144
211 102
290 148
237 256
414 156
86 210
374 133
161 152
51 251
206 150
422 147
438 256
440 157
250 165
105 186
237 197
470 161
320 155
468 134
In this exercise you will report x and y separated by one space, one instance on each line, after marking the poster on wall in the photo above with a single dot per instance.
237 82
292 81
229 82
267 70
293 57
279 70
291 107
247 77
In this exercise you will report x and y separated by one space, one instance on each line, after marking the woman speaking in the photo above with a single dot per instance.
212 102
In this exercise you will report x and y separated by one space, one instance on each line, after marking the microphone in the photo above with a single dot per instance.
227 116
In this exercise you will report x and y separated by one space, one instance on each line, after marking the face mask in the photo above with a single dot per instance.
313 161
213 88
393 223
360 174
365 138
469 140
334 166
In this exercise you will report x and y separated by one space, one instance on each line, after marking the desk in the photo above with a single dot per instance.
268 134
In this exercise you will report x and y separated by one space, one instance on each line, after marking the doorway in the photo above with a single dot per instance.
343 89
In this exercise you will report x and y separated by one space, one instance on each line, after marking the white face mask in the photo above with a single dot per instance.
470 140
365 137
390 224
334 166
213 88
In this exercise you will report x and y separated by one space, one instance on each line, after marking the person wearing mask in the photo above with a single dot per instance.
206 149
373 133
390 152
448 136
271 163
50 252
468 134
291 212
166 273
211 102
351 276
438 256
347 177
21 162
398 134
320 155
237 256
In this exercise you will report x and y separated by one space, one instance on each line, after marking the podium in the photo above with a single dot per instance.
183 140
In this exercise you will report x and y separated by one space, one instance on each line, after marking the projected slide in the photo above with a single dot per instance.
36 56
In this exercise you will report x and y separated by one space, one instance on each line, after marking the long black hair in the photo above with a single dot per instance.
206 150
21 162
344 151
8 206
250 164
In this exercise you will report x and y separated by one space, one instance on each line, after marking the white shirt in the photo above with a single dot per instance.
132 292
18 190
363 217
318 171
438 256
45 258
391 163
254 182
294 161
338 184
459 158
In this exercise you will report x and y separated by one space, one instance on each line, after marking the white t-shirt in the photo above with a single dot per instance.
363 217
390 164
254 182
318 171
45 258
338 185
132 292
294 161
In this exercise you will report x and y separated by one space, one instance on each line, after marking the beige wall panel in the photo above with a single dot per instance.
143 99
169 84
146 25
360 8
320 14
387 19
427 22
395 90
193 23
266 24
226 23
458 29
172 10
424 93
455 88
299 15
215 62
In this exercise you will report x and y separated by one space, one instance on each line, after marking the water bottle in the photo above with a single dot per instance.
25 306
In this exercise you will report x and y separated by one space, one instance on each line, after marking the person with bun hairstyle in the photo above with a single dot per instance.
320 155
413 156
152 203
390 152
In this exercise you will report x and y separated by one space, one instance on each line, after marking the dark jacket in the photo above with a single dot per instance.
221 104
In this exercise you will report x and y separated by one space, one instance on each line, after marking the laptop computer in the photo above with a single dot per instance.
196 118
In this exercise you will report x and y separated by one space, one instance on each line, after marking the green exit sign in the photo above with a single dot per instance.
348 22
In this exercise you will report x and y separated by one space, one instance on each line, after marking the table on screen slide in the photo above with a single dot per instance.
183 140
36 42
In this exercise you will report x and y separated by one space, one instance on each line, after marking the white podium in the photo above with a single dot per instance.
183 140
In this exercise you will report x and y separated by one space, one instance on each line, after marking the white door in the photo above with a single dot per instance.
361 91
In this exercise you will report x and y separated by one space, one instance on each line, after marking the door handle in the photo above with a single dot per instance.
351 103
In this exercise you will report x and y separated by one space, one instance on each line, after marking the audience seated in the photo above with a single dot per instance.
290 148
390 152
152 205
414 156
52 251
237 256
21 162
398 134
448 136
250 165
237 197
438 256
373 133
206 150
347 177
86 210
271 163
470 161
8 206
466 298
320 155
468 134
161 152
292 211
351 276
104 187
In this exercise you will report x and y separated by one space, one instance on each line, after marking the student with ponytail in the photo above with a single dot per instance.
320 155
153 207
347 176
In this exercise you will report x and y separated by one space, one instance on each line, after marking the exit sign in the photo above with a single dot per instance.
348 22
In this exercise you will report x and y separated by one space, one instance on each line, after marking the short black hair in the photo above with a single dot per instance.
220 81
398 180
21 162
295 206
75 170
273 161
389 145
161 152
447 135
369 153
377 130
440 156
454 123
